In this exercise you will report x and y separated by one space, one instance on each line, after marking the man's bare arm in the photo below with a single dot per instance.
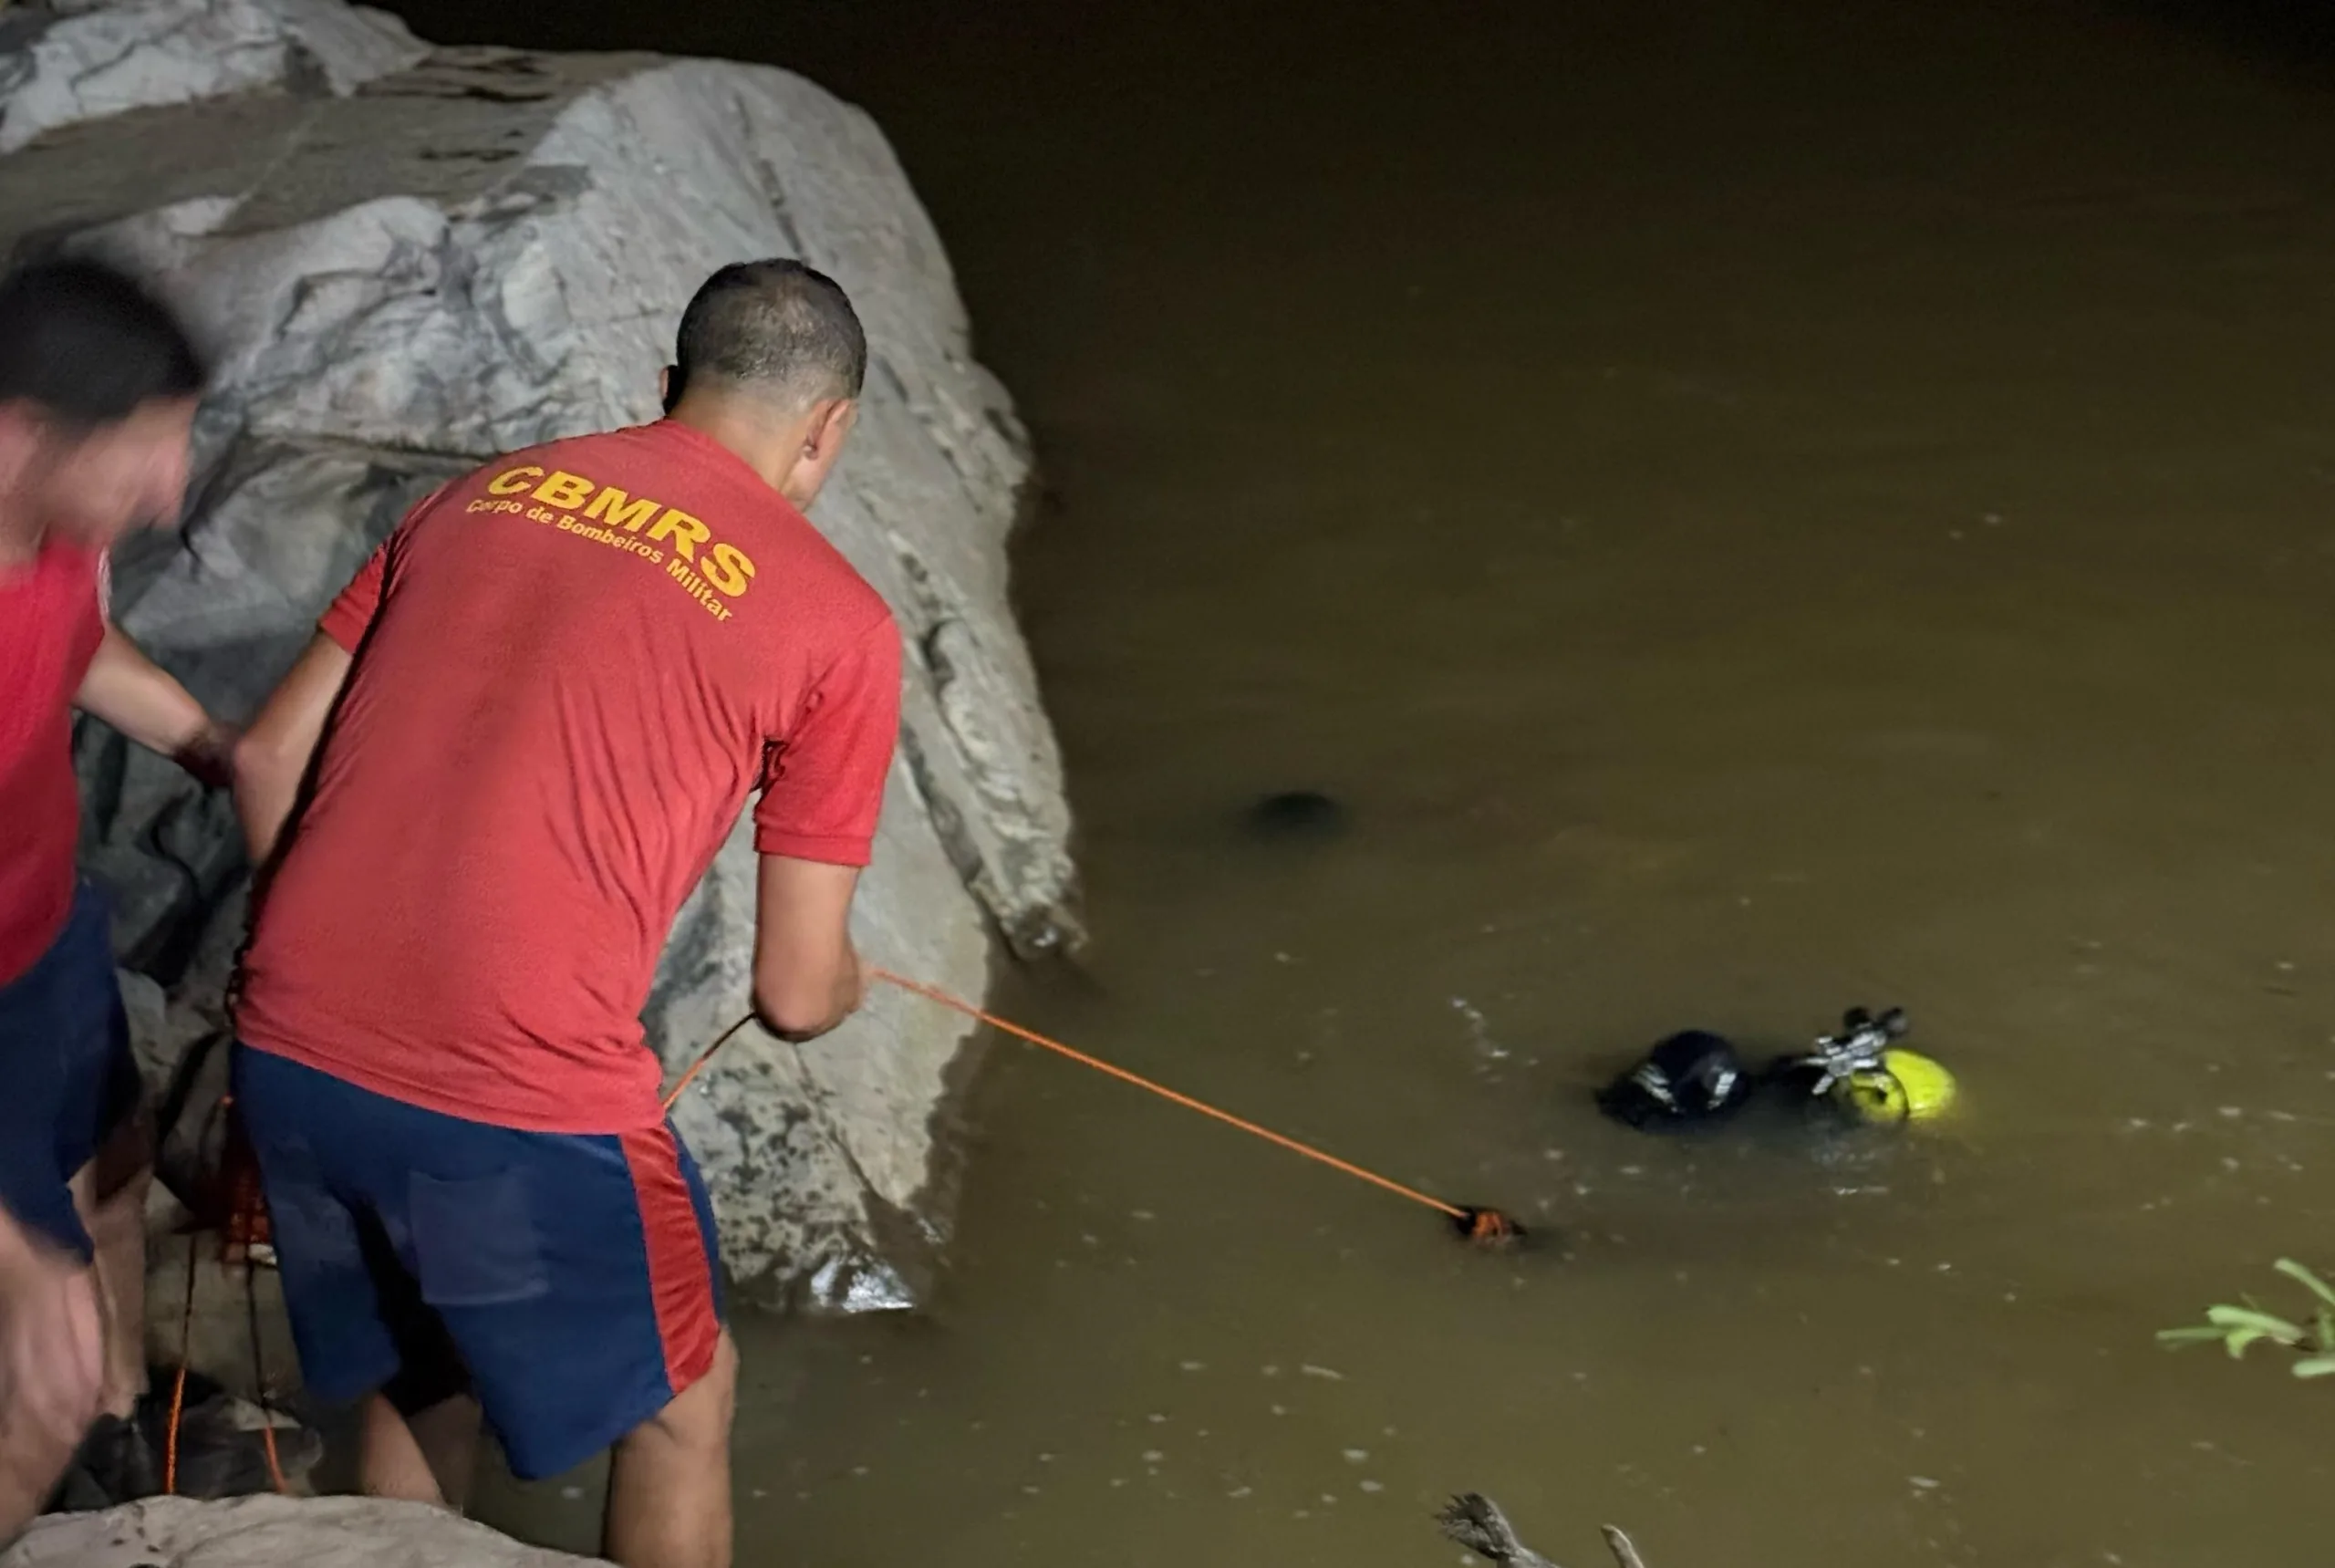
808 975
52 1361
272 759
146 702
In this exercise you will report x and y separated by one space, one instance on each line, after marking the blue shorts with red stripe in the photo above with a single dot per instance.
574 1276
67 1081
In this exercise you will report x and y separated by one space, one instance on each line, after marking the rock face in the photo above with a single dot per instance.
135 56
407 260
270 1532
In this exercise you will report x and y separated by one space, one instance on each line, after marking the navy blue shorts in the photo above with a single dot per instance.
67 1081
573 1275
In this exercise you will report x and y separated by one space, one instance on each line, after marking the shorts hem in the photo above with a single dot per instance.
331 1390
541 1461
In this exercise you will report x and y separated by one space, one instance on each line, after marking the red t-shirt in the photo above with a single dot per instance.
571 668
51 621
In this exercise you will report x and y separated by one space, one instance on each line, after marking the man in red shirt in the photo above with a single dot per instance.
98 392
541 707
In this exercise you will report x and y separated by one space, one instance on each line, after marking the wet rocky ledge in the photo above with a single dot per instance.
270 1532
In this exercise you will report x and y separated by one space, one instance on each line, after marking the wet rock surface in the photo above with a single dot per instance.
270 1532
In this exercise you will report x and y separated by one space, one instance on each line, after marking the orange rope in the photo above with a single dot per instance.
178 1389
1466 1216
186 1324
931 994
703 1058
274 1463
246 1203
259 1375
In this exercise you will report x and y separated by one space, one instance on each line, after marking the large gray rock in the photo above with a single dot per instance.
270 1532
408 261
78 61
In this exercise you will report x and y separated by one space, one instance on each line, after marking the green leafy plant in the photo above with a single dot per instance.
2237 1329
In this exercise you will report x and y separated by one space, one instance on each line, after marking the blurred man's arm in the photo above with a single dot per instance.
808 975
272 759
146 702
52 1360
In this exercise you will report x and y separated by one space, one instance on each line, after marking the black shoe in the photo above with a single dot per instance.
225 1449
114 1465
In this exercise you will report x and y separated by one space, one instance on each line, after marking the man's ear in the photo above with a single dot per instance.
669 388
822 439
829 425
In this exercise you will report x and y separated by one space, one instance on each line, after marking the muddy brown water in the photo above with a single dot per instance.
1754 506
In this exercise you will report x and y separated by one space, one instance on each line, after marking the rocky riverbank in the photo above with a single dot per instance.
270 1532
408 259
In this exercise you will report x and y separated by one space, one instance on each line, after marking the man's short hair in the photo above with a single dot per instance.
772 326
87 345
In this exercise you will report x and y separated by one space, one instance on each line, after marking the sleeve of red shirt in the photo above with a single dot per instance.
823 786
350 616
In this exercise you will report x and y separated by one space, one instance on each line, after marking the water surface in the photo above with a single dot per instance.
1756 506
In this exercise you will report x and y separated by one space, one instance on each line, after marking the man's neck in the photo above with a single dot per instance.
746 428
21 533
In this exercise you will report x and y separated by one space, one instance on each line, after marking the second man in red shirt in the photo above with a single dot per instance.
532 720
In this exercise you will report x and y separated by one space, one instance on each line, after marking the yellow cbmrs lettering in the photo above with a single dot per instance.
512 480
728 569
686 532
622 510
564 490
